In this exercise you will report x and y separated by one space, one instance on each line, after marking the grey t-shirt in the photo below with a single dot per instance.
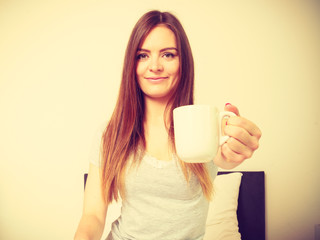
160 204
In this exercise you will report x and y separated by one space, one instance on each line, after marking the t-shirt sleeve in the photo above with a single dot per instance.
95 151
213 170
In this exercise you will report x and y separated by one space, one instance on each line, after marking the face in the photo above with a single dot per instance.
158 63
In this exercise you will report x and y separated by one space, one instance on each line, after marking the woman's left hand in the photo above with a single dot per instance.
243 141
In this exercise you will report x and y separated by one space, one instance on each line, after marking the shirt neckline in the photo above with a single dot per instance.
157 162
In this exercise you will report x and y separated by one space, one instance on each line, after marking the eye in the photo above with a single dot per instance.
142 56
169 55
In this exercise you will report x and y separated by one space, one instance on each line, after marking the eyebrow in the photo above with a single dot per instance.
162 50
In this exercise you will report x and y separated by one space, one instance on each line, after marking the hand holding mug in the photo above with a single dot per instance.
243 141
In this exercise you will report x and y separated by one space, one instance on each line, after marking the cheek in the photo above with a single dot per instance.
138 70
171 67
174 69
141 68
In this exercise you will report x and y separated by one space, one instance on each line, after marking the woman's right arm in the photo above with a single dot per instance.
94 213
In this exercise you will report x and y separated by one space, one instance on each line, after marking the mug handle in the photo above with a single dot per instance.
223 115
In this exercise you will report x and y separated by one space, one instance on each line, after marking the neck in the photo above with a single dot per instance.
154 112
155 129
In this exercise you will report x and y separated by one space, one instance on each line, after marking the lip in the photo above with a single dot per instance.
156 79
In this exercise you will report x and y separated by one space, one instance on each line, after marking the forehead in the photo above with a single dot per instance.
159 37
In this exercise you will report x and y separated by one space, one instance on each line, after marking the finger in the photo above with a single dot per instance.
230 156
249 126
231 108
242 135
239 148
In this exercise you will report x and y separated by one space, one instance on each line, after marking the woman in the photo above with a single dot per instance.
163 198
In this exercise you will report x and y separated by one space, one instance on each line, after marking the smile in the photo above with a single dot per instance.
156 79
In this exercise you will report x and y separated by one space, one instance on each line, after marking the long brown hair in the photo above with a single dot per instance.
124 134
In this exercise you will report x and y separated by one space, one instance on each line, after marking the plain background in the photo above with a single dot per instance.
60 68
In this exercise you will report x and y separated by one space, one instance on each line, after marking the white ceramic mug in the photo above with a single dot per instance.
197 131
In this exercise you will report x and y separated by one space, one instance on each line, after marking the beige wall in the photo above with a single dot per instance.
60 64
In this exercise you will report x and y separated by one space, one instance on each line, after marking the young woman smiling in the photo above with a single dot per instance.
162 197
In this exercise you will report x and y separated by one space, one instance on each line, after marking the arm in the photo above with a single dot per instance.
243 141
94 208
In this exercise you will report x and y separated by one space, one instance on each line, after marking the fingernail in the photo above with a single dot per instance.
228 104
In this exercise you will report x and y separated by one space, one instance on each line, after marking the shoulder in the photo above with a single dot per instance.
96 142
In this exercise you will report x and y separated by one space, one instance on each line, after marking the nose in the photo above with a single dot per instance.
155 66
